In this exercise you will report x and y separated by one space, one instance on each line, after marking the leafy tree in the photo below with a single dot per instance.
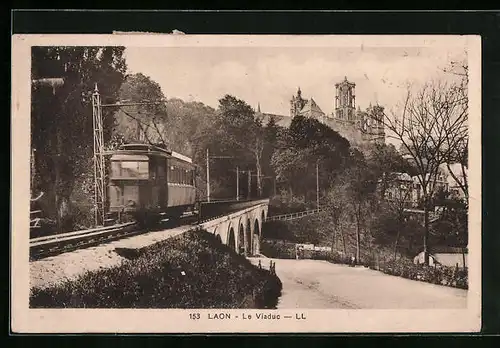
306 143
290 166
61 119
243 131
237 134
353 199
386 159
142 123
186 122
271 134
450 225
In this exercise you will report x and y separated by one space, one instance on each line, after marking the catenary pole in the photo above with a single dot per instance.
208 176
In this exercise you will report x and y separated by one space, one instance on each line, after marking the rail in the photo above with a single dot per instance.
59 243
55 244
293 216
35 219
75 234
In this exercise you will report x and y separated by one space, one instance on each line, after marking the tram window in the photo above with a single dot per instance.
161 169
152 171
115 169
130 169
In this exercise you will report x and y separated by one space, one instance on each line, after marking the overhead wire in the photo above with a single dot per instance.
146 125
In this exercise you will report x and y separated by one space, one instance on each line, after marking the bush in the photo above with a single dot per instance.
285 203
277 249
297 231
403 267
441 275
286 250
193 270
339 258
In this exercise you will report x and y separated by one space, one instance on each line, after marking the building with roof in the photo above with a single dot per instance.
445 256
451 177
404 189
400 190
358 127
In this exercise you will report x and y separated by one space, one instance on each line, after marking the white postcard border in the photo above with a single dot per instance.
26 320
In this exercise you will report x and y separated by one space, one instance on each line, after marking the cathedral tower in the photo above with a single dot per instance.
345 101
297 103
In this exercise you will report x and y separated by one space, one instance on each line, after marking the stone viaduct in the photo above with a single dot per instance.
241 230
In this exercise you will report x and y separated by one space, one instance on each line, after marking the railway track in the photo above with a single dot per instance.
60 243
52 245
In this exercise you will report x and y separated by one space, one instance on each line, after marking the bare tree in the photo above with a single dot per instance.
350 200
430 126
459 138
400 187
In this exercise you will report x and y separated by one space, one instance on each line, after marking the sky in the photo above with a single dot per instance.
271 75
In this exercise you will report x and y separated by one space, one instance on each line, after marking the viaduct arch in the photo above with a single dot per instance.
242 230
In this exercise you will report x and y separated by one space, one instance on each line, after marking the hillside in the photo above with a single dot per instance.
192 270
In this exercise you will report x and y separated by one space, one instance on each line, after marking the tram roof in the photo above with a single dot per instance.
142 151
129 157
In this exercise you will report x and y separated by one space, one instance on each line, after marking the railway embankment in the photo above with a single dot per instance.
190 270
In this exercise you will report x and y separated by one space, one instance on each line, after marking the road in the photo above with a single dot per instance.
315 284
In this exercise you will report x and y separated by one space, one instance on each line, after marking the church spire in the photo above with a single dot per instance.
258 108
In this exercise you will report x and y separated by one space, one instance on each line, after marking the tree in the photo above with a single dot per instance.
61 119
290 166
393 176
186 122
142 123
458 138
271 134
429 127
450 227
299 148
384 159
396 205
243 130
236 133
352 200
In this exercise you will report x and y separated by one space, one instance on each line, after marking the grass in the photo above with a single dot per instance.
192 270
